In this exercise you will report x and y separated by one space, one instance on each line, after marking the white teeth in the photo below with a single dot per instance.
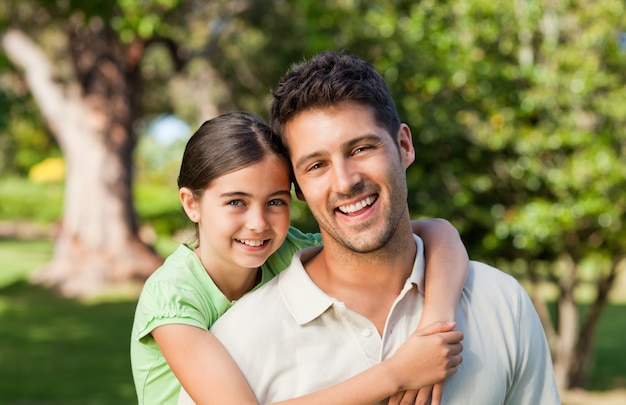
253 243
347 209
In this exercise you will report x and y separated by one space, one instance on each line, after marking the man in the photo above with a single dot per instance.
339 309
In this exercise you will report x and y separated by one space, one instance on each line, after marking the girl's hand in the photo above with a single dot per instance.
429 356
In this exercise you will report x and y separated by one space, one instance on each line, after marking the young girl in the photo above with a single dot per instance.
235 183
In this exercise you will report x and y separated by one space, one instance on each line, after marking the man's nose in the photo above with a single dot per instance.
345 176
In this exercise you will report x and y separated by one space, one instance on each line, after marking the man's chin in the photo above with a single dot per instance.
363 244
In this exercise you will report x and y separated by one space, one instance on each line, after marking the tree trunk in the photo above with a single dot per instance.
567 324
91 117
541 306
579 372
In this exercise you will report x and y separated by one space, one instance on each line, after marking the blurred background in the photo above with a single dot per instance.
518 111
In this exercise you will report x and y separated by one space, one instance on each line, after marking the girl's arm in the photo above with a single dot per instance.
447 266
428 356
210 376
202 365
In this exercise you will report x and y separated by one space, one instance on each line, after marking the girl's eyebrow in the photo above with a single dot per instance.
232 194
281 193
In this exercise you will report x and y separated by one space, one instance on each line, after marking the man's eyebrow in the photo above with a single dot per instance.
371 138
306 158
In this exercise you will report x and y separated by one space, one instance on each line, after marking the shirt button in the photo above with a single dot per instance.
366 332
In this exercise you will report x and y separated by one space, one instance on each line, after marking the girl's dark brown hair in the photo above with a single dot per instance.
224 144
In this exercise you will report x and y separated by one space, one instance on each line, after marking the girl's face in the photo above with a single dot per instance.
243 217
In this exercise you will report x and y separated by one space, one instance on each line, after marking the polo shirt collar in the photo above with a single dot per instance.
417 275
303 298
306 301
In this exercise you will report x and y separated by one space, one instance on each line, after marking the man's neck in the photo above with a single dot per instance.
368 283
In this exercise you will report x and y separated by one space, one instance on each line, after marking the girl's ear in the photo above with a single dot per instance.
189 203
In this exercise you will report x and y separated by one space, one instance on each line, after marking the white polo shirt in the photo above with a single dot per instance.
290 339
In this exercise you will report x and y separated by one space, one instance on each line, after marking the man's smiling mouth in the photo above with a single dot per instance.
352 208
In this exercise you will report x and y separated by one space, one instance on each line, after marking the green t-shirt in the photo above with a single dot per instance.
181 292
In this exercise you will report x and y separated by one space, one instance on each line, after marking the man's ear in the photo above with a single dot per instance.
405 144
189 203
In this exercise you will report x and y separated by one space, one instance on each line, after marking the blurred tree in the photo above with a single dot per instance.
90 113
19 114
89 86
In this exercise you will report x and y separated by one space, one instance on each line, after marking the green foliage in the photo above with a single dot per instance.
158 206
157 163
24 141
143 18
22 200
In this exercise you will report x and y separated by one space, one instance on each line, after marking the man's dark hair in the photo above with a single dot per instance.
329 79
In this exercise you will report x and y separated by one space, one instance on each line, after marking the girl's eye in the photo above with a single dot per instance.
277 202
235 203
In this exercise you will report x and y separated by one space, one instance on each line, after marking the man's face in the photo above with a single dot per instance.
351 174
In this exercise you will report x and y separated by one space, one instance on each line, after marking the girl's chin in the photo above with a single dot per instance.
252 264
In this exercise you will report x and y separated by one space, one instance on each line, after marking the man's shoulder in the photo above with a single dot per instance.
491 282
489 290
483 272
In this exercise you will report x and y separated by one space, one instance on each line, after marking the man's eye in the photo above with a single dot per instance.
361 149
315 166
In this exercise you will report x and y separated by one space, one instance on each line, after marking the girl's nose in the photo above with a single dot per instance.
256 220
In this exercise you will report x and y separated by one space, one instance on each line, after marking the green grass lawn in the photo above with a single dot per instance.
56 350
609 368
62 351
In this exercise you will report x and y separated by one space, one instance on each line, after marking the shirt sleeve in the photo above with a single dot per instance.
163 303
533 381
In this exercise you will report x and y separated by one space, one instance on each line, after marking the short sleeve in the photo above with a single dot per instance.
296 240
163 303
